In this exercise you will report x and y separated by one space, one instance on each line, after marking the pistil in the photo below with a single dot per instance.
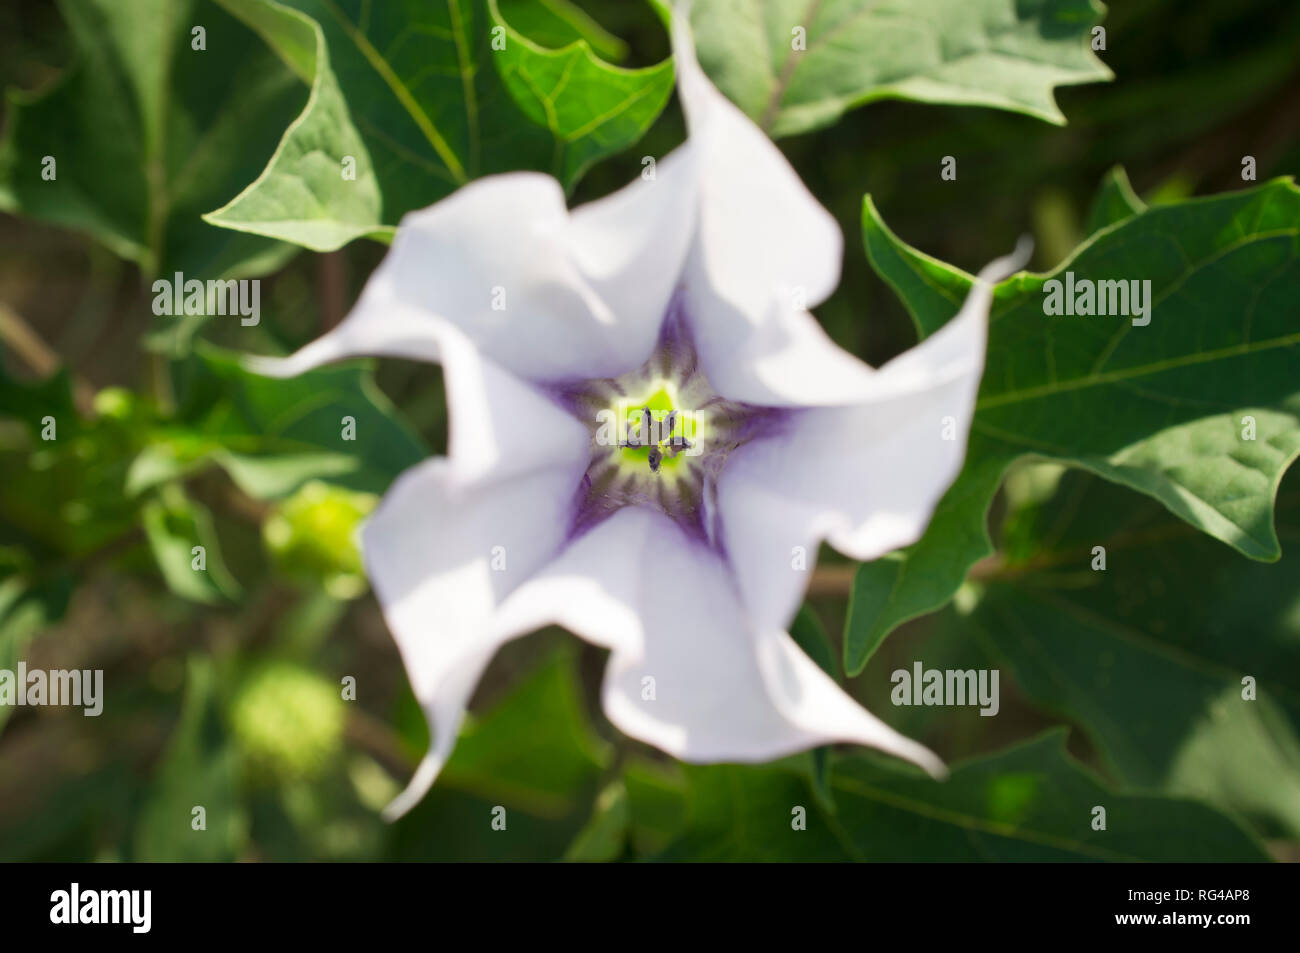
660 435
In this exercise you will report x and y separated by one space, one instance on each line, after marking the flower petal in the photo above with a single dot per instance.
631 245
687 673
442 555
547 296
761 229
501 426
765 251
454 536
867 476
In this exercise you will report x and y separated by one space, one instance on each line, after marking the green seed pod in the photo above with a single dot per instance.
312 536
287 722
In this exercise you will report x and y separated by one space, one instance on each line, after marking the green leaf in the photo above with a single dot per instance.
272 435
555 23
919 579
29 402
27 606
146 133
605 836
1029 803
591 108
810 635
1007 54
175 525
197 770
536 749
1114 202
410 96
1156 678
534 756
319 189
62 473
656 797
1159 408
59 822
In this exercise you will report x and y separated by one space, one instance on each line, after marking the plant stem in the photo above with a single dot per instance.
23 340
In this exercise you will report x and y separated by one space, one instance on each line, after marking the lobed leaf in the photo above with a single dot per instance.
795 66
1222 349
412 100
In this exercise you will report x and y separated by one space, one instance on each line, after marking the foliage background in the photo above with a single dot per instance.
226 695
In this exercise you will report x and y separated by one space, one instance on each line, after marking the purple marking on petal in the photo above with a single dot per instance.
573 396
676 341
687 495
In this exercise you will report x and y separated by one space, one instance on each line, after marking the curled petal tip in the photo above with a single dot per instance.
422 780
1008 265
923 758
266 366
323 350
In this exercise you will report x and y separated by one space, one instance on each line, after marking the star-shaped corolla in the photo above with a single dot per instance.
649 438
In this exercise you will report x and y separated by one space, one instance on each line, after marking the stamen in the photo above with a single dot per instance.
638 460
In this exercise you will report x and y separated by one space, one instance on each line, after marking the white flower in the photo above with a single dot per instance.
687 292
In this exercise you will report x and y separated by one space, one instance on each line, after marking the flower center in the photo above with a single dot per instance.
660 435
651 431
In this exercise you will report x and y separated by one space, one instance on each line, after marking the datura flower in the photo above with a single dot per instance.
650 436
